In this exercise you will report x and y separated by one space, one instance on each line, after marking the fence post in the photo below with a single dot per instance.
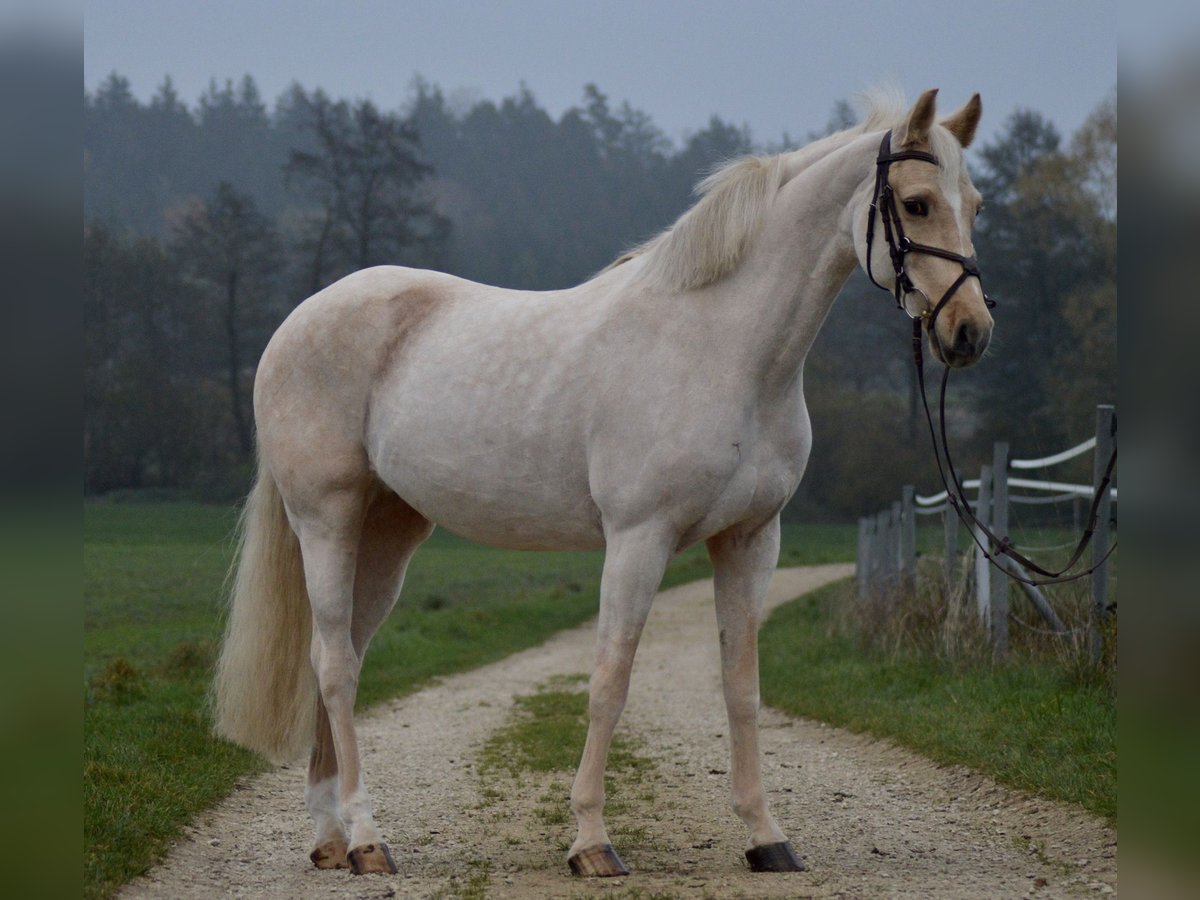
862 569
1106 427
894 549
879 579
950 521
908 540
999 526
982 566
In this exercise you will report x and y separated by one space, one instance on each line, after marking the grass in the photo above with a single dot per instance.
547 732
545 735
1037 724
153 576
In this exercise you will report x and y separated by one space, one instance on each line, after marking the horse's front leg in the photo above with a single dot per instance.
633 567
743 563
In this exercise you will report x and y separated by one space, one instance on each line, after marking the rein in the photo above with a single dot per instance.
883 203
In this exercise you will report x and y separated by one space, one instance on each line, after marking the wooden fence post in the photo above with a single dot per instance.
897 564
999 526
1036 597
862 569
983 592
1105 435
908 540
879 579
950 522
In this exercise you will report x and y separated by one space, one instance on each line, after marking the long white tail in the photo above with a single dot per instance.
265 691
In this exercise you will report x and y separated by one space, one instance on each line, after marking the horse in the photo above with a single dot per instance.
655 406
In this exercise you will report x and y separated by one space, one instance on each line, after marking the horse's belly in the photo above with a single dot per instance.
497 524
496 500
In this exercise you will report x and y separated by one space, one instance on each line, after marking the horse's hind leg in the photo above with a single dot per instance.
743 564
321 798
633 567
391 532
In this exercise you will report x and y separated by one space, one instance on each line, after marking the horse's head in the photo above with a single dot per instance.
913 236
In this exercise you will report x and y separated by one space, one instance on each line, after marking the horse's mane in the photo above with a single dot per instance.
712 238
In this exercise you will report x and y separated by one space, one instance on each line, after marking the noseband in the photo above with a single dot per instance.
883 202
900 245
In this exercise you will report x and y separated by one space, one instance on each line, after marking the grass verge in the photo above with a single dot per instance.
1033 724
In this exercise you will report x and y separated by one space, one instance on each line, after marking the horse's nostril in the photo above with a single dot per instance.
966 340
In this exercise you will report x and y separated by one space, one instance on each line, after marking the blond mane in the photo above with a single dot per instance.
710 240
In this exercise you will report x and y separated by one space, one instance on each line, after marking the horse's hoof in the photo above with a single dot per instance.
330 855
371 859
779 857
597 862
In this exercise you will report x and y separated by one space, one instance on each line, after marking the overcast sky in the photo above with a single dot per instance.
775 65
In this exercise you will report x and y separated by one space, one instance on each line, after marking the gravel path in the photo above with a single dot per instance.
872 820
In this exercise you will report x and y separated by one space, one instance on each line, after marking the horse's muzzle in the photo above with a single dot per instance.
965 346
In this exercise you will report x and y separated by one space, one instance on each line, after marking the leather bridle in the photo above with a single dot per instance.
883 203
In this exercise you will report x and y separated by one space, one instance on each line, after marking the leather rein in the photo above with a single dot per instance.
883 204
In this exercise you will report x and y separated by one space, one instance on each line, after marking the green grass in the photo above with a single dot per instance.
152 579
544 735
153 576
1034 725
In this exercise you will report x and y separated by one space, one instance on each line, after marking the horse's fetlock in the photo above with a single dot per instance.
749 805
586 806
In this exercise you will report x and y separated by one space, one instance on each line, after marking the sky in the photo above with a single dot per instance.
777 66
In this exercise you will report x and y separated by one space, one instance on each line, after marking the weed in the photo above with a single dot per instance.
189 658
119 682
473 887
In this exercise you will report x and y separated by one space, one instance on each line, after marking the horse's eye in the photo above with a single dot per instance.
978 210
916 207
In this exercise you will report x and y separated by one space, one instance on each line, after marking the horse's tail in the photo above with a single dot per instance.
265 690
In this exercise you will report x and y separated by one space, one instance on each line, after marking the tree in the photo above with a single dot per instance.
1085 368
229 250
1037 245
365 175
141 419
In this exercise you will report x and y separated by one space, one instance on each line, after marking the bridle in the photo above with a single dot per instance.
883 203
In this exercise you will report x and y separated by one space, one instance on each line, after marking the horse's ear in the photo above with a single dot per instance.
920 120
964 122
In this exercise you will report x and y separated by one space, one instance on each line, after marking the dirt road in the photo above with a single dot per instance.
872 820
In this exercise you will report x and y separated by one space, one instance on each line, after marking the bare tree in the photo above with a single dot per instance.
365 174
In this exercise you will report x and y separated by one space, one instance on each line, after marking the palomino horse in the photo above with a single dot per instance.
655 406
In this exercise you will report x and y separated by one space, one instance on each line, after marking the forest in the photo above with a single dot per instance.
205 223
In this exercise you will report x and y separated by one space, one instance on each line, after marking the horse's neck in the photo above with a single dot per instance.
801 260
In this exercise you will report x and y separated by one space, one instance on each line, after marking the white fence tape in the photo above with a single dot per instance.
1054 460
1065 490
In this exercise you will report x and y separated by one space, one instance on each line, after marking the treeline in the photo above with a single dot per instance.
207 224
